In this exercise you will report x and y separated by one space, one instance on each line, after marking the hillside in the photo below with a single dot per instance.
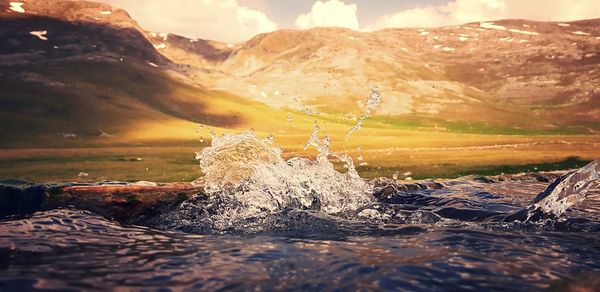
80 67
84 88
71 69
510 73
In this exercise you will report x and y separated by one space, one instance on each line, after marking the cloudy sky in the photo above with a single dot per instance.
239 20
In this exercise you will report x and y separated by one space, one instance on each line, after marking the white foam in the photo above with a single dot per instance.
564 24
41 34
424 33
160 46
106 12
463 38
17 7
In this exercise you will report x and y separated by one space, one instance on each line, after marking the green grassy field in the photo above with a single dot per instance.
176 163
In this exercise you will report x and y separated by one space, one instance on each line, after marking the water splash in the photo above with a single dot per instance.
322 146
249 174
372 101
563 193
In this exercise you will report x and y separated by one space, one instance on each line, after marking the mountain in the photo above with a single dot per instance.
76 68
521 73
539 74
85 69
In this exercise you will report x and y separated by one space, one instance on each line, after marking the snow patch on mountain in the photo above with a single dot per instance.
17 7
490 25
580 33
523 31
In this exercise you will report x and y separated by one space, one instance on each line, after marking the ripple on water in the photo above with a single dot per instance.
63 248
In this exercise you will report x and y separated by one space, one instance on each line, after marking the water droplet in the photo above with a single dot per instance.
372 101
270 139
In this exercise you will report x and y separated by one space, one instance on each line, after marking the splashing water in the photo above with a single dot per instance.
246 180
322 147
372 102
252 177
563 193
568 191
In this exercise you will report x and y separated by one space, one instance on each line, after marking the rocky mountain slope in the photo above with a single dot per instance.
79 67
505 71
508 72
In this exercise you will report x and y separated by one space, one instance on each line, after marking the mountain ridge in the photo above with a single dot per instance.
500 76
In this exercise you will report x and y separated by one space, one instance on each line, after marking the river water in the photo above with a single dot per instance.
443 236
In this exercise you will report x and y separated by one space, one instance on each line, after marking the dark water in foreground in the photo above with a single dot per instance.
429 239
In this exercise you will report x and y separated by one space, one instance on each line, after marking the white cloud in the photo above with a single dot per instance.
329 13
223 20
463 11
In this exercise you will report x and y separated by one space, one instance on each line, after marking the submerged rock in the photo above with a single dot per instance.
124 202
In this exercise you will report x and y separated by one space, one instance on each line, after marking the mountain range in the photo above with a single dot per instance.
88 70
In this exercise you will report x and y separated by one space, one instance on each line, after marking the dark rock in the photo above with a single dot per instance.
16 199
130 204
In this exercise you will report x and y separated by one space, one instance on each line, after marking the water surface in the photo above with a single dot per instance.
443 237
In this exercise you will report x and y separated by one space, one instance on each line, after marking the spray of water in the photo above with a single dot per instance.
563 193
251 176
246 178
372 102
569 190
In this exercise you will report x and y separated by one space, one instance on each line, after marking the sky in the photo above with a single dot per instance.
239 20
